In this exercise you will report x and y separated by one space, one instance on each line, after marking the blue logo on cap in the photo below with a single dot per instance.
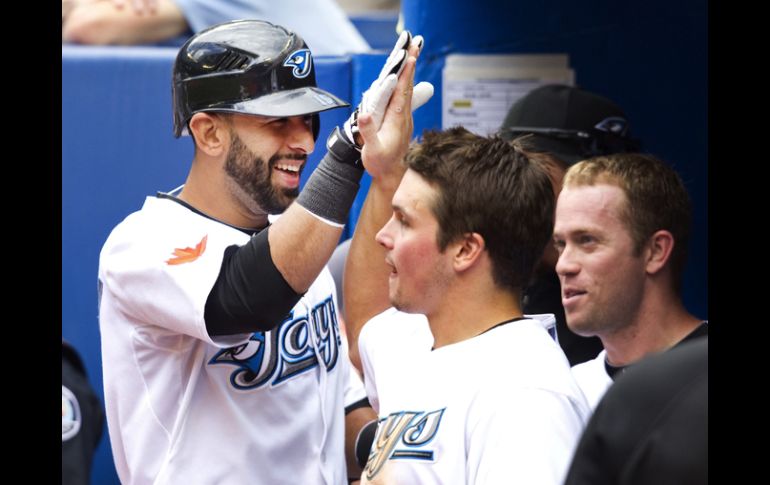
301 61
613 124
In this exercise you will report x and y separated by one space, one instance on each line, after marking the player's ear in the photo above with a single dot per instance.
211 133
658 250
467 250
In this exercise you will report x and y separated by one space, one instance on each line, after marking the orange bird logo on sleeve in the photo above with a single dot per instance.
188 255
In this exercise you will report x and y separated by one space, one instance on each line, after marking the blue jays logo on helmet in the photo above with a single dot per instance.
301 61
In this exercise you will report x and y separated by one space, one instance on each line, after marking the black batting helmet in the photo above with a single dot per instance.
249 67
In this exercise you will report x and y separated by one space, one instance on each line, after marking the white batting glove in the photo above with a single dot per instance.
375 100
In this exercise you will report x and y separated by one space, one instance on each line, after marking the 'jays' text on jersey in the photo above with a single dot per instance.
501 407
183 407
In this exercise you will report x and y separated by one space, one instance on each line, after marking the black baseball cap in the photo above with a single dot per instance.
570 123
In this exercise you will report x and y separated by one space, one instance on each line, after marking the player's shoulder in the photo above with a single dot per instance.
166 211
164 220
591 373
590 367
155 215
545 320
592 378
527 356
395 323
528 339
165 233
393 330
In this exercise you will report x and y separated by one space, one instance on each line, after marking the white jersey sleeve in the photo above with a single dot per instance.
160 274
593 379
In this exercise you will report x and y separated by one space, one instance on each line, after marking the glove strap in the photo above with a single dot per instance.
351 129
342 149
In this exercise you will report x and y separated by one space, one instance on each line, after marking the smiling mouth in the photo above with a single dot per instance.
292 169
571 297
288 163
288 174
567 294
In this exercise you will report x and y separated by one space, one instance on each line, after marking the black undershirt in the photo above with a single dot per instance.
701 330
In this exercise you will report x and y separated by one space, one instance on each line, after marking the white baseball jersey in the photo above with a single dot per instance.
593 379
183 407
501 407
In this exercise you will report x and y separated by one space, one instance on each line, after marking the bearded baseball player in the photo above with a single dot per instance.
467 388
222 354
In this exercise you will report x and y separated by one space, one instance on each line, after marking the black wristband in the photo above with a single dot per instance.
333 185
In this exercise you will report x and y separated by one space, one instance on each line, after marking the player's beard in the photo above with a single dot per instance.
254 176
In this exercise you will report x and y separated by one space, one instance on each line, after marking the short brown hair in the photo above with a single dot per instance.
657 198
494 188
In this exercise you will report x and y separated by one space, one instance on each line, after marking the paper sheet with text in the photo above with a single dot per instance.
478 90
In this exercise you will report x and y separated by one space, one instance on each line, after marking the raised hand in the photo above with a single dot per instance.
387 129
375 100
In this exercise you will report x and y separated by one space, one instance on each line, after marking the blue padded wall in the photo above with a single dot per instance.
377 27
118 148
